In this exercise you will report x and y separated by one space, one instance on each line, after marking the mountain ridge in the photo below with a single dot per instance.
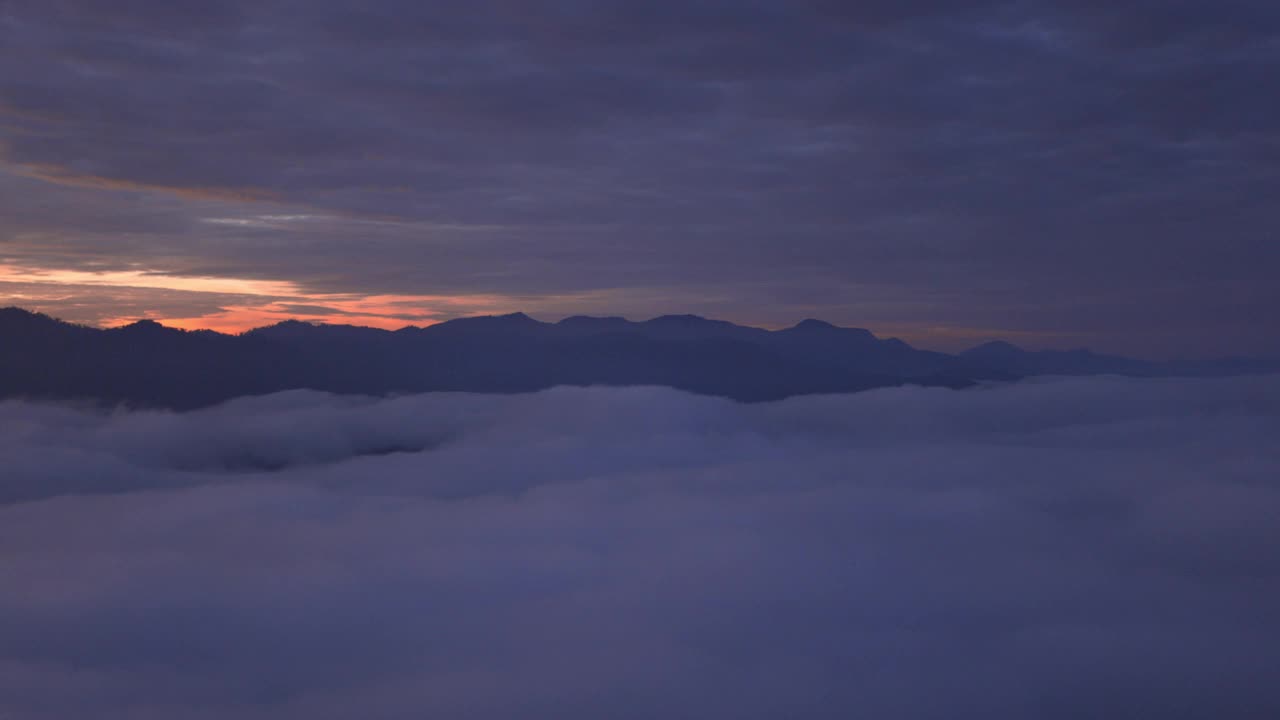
146 363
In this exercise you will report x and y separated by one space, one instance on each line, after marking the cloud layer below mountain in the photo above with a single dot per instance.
1060 548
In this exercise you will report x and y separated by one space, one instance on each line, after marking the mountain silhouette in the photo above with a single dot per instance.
150 365
1013 359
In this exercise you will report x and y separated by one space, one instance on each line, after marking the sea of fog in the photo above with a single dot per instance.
1063 548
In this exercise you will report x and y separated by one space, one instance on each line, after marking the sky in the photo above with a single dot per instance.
1059 173
1058 549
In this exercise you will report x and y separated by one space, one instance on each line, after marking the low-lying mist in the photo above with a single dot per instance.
1059 548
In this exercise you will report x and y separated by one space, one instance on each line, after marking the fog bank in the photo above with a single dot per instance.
1058 548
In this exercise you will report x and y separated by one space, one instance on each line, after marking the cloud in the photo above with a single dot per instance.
1059 548
1063 156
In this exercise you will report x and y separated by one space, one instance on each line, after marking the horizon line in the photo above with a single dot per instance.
521 314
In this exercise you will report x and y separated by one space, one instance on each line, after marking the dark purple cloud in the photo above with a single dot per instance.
1017 166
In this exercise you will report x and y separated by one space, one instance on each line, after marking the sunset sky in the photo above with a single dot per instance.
1054 172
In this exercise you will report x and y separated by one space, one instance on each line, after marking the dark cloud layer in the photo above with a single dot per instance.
1094 547
1015 165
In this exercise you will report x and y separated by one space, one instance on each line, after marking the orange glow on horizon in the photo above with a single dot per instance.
233 305
152 281
238 320
388 312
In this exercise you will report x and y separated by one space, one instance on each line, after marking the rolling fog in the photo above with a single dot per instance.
1058 548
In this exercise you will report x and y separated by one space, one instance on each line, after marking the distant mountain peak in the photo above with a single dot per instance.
17 314
16 321
680 320
146 325
812 324
821 329
511 322
284 329
515 318
995 347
